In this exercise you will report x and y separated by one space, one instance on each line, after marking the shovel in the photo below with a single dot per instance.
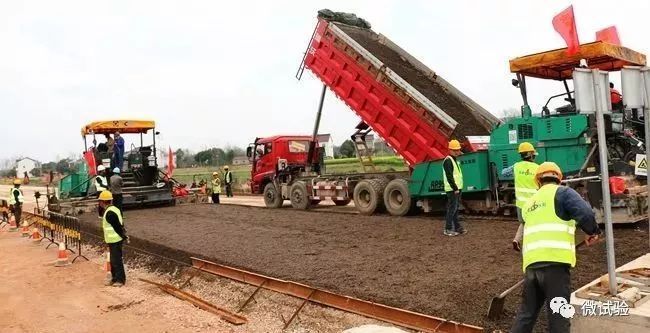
496 305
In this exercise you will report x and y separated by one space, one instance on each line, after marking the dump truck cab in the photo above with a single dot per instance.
284 155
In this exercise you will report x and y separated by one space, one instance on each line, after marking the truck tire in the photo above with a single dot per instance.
272 197
368 196
343 202
299 196
397 198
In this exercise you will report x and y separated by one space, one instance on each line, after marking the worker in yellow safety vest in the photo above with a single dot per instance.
16 200
114 237
452 177
523 173
550 218
216 187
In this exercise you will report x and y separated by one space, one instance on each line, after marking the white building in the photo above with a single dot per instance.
325 141
26 164
240 160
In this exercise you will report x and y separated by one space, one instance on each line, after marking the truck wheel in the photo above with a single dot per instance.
368 197
272 197
299 196
397 198
343 202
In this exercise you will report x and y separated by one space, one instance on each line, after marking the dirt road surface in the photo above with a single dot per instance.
37 297
403 262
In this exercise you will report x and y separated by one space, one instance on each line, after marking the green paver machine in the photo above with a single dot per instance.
143 182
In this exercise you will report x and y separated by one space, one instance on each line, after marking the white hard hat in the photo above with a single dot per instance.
101 168
116 170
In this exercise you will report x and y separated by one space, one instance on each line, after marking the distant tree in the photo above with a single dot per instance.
347 149
49 166
180 154
212 156
11 173
36 172
64 166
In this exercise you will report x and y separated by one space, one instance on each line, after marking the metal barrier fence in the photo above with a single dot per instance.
56 229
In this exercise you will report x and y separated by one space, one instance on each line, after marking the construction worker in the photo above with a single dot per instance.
101 184
525 185
452 176
116 184
616 97
550 217
119 150
16 200
216 187
227 179
114 236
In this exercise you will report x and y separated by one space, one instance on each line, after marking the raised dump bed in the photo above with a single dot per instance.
412 108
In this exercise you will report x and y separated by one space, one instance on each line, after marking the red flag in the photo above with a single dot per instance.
609 35
89 156
565 24
170 163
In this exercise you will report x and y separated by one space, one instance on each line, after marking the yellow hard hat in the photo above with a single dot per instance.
548 169
526 147
215 173
226 167
106 196
17 181
454 145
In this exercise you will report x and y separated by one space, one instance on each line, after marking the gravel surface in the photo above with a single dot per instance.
469 123
403 262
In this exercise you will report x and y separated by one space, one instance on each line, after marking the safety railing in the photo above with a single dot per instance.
57 229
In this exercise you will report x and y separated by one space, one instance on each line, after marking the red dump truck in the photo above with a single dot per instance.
407 104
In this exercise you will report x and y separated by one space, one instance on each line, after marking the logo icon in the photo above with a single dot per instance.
561 305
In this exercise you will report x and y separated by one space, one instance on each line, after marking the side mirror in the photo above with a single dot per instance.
249 151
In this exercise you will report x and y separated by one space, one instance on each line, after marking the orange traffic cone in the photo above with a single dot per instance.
36 236
62 259
25 229
107 263
12 223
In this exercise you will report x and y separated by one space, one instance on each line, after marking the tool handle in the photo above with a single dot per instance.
516 285
509 290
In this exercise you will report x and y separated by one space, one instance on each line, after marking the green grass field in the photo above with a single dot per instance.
242 173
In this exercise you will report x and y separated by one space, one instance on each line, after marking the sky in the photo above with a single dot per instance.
217 73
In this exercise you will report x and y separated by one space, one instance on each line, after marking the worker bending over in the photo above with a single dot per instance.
550 218
216 187
114 236
452 176
16 201
525 185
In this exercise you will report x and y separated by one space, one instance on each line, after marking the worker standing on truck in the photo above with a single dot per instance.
524 173
616 97
119 150
116 184
452 176
114 236
227 179
216 187
16 201
550 217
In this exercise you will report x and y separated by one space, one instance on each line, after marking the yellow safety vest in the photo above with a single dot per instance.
525 185
110 236
98 186
12 196
547 237
216 185
458 175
